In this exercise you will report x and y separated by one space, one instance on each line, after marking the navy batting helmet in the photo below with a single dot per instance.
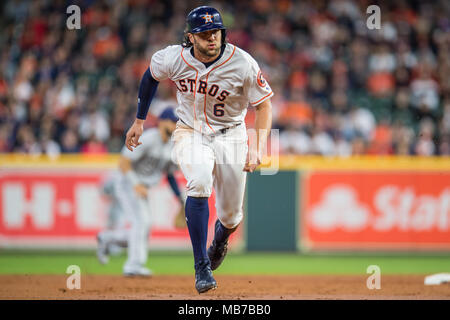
204 18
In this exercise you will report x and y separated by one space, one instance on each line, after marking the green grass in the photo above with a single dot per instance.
56 262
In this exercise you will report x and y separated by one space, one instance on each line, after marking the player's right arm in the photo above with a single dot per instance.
147 90
156 72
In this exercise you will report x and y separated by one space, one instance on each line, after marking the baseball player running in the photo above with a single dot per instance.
216 82
138 171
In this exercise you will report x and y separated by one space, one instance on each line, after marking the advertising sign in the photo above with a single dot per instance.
376 210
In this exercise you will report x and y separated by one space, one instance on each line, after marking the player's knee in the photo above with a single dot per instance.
230 219
200 186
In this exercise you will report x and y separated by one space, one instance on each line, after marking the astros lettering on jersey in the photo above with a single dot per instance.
217 96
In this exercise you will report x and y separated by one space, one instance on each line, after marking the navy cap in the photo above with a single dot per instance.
204 18
168 114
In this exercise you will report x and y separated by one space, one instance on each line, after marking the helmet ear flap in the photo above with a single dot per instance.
186 43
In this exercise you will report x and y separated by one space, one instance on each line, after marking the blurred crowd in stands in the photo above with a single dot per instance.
340 88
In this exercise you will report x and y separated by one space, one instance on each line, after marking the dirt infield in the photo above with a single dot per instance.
295 287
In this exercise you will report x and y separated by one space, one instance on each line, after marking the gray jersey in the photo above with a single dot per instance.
215 97
152 158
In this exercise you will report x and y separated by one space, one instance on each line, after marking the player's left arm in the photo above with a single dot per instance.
263 124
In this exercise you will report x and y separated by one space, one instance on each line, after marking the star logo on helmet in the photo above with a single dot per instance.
208 18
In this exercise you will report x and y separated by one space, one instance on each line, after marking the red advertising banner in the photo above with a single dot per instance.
376 210
66 208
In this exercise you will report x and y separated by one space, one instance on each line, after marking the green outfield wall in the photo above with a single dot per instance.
272 211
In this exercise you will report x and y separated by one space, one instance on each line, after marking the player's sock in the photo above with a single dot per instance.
222 233
197 215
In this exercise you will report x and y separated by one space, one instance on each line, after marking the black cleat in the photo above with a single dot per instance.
217 253
204 280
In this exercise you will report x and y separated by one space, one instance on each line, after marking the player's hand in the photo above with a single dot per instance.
134 133
180 219
253 161
141 190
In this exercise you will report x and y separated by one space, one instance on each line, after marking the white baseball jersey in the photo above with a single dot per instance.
152 158
218 96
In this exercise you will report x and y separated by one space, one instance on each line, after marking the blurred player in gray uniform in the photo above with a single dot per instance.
138 171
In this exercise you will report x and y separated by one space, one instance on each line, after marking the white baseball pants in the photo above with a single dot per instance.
214 161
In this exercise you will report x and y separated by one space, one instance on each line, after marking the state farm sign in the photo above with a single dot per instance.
376 210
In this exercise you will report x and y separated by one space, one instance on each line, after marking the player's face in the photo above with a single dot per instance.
208 43
166 128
